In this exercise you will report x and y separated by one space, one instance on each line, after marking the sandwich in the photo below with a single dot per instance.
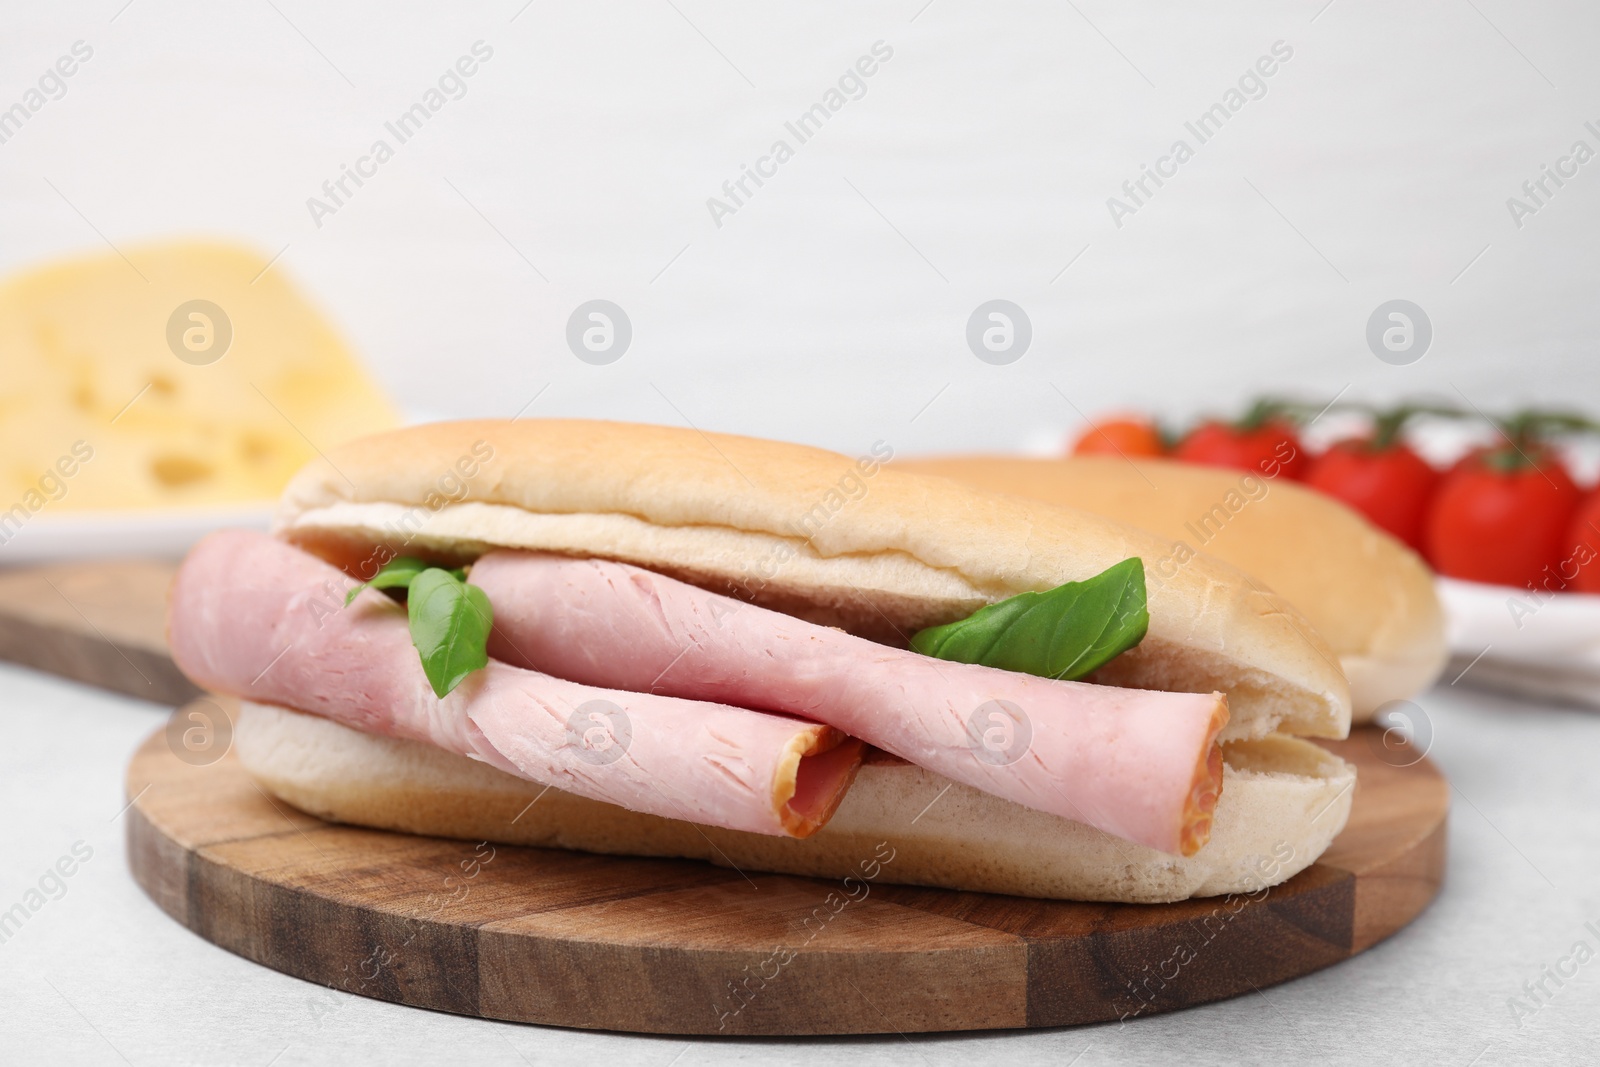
1369 596
650 641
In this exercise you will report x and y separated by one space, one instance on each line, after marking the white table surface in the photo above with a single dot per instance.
100 975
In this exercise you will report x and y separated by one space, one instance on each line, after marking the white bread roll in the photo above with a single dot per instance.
850 543
1368 595
1283 800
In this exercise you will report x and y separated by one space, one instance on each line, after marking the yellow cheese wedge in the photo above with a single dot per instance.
190 375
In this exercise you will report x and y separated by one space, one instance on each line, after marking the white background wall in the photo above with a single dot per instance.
832 307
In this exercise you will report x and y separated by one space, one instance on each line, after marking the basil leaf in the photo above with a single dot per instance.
450 623
397 572
1065 632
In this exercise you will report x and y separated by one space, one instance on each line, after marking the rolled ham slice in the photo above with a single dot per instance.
1136 764
253 617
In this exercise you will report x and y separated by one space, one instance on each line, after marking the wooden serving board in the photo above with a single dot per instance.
101 623
675 946
681 947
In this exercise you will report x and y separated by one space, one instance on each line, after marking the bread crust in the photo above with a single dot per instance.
853 543
1368 595
1283 802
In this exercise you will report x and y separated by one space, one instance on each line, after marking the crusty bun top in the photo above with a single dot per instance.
846 542
1370 596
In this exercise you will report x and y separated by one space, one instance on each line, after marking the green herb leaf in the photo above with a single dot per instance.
1066 632
450 623
397 572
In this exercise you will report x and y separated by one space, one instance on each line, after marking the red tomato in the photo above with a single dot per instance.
1127 437
1580 552
1273 448
1499 518
1391 486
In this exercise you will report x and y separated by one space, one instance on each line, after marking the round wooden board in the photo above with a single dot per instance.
682 947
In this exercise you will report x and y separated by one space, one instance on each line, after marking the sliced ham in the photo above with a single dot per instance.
1136 764
256 618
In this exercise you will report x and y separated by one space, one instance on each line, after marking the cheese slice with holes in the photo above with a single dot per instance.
192 374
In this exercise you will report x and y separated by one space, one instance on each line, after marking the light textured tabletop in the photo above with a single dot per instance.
99 975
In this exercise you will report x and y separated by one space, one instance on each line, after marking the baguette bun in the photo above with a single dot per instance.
849 543
1367 594
1283 801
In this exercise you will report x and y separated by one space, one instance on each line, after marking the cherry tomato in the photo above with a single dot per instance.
1127 437
1580 552
1391 486
1501 517
1272 448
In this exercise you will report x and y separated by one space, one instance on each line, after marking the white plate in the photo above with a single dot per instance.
1544 645
47 538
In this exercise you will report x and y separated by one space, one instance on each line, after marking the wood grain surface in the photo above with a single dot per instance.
681 947
98 622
